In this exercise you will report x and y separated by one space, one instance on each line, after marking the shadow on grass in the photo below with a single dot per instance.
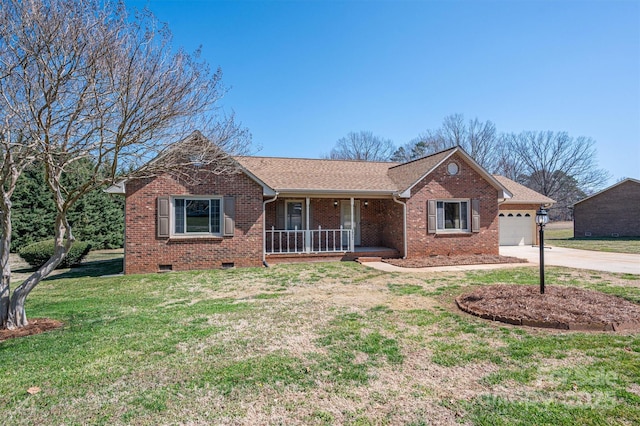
94 268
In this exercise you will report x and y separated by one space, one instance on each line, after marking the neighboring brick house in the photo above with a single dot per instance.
612 212
286 209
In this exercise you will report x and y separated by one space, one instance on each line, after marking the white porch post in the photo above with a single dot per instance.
307 233
352 239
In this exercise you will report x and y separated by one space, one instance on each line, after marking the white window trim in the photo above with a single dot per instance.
172 216
466 230
303 213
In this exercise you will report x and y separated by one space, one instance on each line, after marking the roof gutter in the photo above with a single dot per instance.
264 230
332 193
404 225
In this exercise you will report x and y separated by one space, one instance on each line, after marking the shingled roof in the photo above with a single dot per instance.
522 194
299 175
310 175
407 174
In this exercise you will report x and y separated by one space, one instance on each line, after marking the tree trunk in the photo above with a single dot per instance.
17 316
4 295
5 245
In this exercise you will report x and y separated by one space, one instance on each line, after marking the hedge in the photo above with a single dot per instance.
37 254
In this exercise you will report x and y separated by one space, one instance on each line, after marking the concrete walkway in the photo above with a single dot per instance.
553 256
581 259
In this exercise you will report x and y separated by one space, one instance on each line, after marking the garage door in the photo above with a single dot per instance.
516 229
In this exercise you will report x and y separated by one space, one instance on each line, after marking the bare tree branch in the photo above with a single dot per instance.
83 80
362 146
556 165
477 138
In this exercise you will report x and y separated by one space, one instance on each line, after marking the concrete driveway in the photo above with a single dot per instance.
573 258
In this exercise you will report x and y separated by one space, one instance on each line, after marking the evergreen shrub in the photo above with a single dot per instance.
37 254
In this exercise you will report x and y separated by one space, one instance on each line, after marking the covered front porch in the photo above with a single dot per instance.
327 228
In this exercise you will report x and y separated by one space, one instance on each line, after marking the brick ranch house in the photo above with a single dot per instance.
287 209
612 212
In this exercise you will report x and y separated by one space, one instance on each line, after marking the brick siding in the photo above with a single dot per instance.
381 221
613 211
439 185
145 252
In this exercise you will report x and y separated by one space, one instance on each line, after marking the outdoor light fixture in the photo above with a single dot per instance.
366 203
541 219
335 203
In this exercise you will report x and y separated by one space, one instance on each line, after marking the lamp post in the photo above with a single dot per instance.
541 219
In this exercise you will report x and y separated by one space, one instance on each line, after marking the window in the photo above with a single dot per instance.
452 215
294 215
197 216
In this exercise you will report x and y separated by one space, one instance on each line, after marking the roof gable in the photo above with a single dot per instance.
180 154
407 175
624 181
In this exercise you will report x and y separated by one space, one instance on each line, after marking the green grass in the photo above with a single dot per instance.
327 343
565 238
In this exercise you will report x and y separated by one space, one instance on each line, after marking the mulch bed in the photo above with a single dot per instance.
35 326
480 259
566 308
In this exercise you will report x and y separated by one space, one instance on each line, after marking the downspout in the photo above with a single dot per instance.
264 229
124 237
404 224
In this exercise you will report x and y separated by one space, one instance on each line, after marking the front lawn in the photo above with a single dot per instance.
564 238
319 344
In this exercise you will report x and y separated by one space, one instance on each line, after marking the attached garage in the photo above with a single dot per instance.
517 215
516 228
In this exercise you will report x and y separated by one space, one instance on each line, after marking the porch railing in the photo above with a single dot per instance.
308 240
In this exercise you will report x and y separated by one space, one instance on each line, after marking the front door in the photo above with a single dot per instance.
345 220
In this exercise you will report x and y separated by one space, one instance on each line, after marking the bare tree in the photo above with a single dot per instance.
425 144
16 156
477 138
362 146
555 164
81 79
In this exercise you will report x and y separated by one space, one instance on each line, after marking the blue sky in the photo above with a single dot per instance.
303 74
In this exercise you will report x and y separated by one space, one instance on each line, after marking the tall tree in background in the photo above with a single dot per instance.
478 138
427 143
362 146
83 80
97 216
554 164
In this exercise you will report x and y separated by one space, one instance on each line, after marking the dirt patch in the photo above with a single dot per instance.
35 326
480 259
566 308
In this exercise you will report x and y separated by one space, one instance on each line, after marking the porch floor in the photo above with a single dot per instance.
378 252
